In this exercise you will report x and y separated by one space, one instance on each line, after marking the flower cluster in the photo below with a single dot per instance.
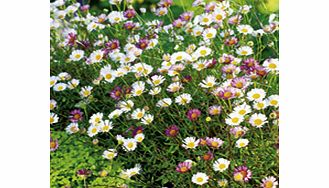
198 86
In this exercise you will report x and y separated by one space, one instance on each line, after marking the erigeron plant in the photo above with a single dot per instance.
182 100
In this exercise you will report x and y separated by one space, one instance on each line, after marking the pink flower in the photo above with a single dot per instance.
193 114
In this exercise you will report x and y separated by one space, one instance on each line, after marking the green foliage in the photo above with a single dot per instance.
76 152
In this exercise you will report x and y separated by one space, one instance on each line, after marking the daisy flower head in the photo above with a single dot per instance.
60 87
114 114
242 174
183 167
156 80
241 143
116 93
273 100
155 91
242 109
244 51
208 156
96 56
125 106
147 119
204 19
129 144
193 114
110 154
183 99
221 164
53 104
106 126
225 93
139 137
239 83
214 142
53 118
53 144
197 30
238 131
76 55
209 82
180 56
222 182
53 80
260 105
92 130
72 128
200 65
234 119
272 65
96 119
73 83
256 94
138 88
190 143
269 182
108 74
215 110
164 102
174 87
219 15
203 51
200 178
120 139
172 131
258 120
76 115
86 91
116 17
138 114
245 29
209 33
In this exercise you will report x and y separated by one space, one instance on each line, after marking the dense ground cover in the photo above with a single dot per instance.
176 96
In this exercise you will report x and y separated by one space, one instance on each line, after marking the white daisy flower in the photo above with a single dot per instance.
273 100
108 74
116 17
73 83
129 144
221 165
203 51
147 119
258 120
241 143
244 51
96 119
92 131
138 113
106 126
126 106
76 55
209 82
53 118
53 104
116 113
209 33
242 109
200 65
53 80
259 105
138 88
164 102
72 128
96 56
156 80
139 137
155 91
256 94
190 143
86 91
60 87
200 178
234 119
245 29
183 99
272 65
110 154
174 87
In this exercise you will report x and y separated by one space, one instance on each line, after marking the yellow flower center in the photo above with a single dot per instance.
242 112
199 179
130 145
205 19
274 102
272 66
139 115
108 76
269 184
179 58
98 57
203 52
258 122
77 56
190 145
256 96
219 17
221 166
209 35
244 30
235 120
